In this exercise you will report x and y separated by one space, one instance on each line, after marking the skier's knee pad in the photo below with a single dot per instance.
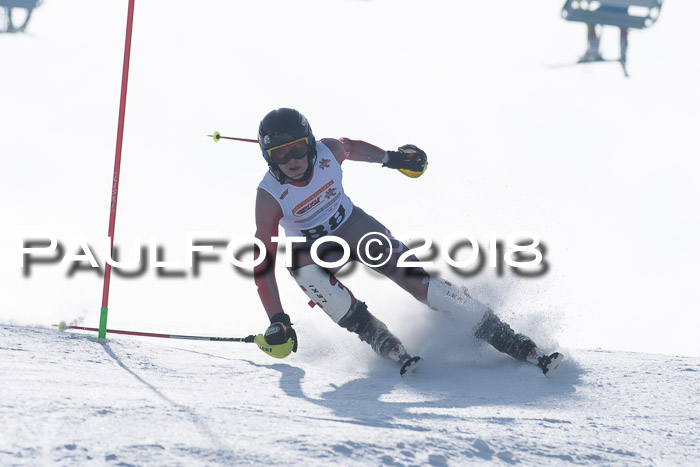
324 290
446 297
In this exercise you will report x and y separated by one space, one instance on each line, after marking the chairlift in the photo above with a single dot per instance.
6 20
625 14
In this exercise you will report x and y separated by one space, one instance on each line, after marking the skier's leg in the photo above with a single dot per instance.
10 24
444 296
502 337
623 49
519 346
413 280
592 54
623 44
437 293
433 291
356 233
326 291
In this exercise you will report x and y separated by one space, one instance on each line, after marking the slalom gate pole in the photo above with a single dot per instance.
217 136
117 164
249 339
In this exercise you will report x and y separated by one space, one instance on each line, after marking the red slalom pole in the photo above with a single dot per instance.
102 332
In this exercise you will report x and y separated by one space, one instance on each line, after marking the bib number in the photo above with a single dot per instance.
332 224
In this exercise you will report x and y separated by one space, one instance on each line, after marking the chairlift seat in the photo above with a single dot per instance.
625 14
27 4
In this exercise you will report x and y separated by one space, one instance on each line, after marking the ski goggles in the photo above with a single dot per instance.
297 149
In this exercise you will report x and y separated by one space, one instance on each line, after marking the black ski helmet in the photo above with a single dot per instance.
283 126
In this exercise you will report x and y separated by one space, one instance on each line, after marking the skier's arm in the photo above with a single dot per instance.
353 150
409 159
267 216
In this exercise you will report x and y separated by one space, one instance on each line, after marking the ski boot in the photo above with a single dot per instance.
369 329
549 364
519 346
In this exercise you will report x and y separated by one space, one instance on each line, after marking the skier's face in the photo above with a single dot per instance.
295 168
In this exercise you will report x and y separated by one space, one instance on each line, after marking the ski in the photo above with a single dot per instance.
602 60
550 364
410 365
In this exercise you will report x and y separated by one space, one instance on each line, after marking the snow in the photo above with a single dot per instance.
601 167
134 401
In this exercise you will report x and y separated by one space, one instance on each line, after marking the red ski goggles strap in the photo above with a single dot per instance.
283 153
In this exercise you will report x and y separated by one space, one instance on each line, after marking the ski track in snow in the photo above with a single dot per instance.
69 400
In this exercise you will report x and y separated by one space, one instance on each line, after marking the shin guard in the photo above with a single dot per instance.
446 297
324 290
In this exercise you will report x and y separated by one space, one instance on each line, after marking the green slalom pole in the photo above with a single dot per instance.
102 331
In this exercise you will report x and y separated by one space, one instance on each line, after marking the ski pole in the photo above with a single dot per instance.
217 136
62 326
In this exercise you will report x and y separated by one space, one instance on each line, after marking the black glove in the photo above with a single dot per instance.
280 330
409 159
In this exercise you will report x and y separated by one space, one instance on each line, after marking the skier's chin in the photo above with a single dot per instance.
298 177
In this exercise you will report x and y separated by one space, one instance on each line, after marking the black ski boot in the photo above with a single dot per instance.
519 346
369 329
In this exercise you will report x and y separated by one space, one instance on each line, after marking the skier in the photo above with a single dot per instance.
303 192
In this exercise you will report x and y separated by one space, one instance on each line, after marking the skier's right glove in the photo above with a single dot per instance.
280 339
409 160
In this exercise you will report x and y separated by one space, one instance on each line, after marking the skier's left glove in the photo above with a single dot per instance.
409 160
280 338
